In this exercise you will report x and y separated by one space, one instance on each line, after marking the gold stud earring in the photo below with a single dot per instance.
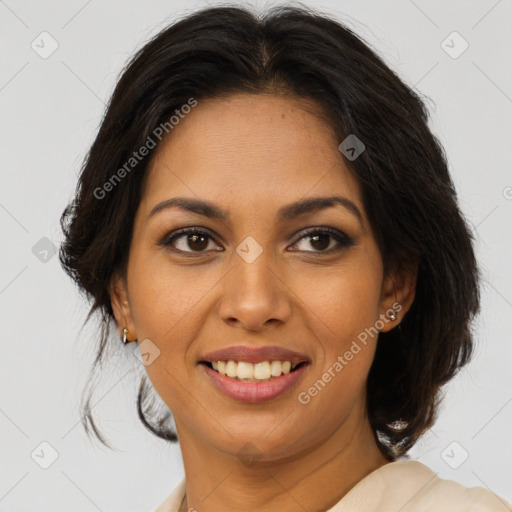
124 338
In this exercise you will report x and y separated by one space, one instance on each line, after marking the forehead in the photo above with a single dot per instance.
250 151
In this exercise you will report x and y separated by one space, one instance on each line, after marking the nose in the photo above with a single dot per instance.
254 295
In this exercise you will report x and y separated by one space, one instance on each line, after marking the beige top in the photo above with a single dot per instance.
405 486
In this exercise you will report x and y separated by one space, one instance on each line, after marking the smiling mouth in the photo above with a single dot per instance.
263 371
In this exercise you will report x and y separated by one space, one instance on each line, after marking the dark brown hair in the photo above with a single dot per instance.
407 190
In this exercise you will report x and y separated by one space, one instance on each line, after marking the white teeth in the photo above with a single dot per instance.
262 370
231 369
243 370
275 368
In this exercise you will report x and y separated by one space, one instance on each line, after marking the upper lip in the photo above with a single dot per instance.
255 354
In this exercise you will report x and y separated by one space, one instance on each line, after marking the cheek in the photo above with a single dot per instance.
341 309
163 312
168 306
164 298
340 304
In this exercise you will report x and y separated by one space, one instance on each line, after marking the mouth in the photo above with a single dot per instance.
244 371
254 374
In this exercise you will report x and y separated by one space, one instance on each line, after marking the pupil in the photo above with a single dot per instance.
324 237
195 238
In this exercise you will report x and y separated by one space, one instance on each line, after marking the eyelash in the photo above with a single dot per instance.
343 240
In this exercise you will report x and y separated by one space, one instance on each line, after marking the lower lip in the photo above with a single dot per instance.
254 392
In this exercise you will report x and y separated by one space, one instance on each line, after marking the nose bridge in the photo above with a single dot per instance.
254 275
253 293
254 258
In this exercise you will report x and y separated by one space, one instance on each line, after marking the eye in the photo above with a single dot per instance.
319 239
193 238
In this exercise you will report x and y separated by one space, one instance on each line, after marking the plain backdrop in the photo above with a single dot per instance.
51 107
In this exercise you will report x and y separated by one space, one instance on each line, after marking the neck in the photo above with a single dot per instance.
314 479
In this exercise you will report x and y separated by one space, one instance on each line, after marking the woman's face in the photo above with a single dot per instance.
257 280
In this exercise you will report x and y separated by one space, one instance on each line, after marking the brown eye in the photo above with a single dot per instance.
199 242
319 241
189 240
320 238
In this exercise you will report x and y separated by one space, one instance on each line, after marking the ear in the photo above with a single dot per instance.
398 291
121 306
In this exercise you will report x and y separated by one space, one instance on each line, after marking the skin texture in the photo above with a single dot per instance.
251 155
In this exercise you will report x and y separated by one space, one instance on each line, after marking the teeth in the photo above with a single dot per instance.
262 370
243 370
275 368
231 369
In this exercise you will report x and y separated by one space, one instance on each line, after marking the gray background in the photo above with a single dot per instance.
50 110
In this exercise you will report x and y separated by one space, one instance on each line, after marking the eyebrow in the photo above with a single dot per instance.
285 213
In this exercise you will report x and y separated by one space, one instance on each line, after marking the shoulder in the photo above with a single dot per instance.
173 502
410 486
432 491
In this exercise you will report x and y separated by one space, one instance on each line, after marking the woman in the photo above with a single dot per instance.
267 214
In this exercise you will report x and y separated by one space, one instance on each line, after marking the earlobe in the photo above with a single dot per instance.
120 304
397 296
